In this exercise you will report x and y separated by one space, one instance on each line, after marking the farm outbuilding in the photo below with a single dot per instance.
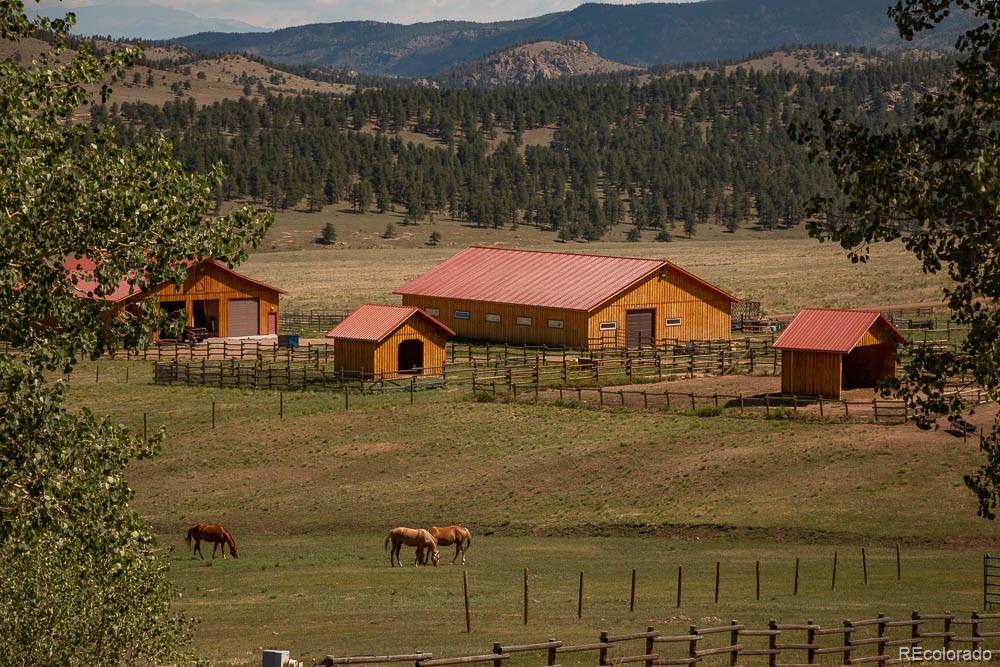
387 342
824 351
569 300
217 300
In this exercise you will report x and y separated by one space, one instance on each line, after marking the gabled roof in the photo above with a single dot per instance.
123 290
376 322
831 330
539 278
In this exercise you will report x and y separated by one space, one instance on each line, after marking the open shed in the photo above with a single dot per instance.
824 351
387 342
214 298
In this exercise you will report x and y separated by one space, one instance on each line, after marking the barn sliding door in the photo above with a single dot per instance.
639 328
243 317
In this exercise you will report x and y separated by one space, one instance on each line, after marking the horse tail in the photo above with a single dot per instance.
387 538
468 538
189 534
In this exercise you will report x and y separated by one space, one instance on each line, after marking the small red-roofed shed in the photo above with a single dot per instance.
382 342
824 351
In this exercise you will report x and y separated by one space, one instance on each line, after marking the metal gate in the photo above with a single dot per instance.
243 317
639 328
991 582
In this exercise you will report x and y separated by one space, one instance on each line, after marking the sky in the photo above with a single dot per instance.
282 13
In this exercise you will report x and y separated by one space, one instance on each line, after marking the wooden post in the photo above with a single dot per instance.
693 645
692 401
145 430
631 597
864 564
579 599
650 646
347 399
795 586
899 567
947 630
881 638
213 414
795 404
757 573
603 651
811 641
741 402
875 409
772 643
281 405
126 373
550 657
716 582
680 580
975 630
848 644
525 596
833 584
465 588
97 374
497 650
734 641
767 404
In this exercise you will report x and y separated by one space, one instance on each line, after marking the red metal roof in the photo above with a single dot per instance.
85 286
376 322
830 330
538 278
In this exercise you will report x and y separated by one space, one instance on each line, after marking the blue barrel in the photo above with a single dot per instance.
288 340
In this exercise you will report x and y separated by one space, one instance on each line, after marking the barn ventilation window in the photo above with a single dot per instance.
556 324
524 321
492 317
673 321
609 326
461 314
433 311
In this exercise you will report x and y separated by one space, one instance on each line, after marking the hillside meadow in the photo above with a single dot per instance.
783 269
557 489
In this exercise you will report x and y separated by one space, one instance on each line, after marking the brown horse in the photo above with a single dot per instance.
457 535
411 537
215 533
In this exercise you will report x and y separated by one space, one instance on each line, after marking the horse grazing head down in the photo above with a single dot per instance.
431 543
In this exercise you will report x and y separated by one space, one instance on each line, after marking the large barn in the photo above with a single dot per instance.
216 299
385 342
824 351
572 300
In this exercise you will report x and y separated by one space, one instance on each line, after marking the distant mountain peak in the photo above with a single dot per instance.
534 62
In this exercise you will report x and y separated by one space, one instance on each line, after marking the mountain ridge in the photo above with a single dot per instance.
640 35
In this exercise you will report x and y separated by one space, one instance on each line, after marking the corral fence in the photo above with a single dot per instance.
879 640
231 349
311 320
991 581
879 411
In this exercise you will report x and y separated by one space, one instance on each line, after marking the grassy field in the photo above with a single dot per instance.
559 490
784 269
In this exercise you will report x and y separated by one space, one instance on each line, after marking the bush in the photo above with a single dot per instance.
390 231
707 411
329 235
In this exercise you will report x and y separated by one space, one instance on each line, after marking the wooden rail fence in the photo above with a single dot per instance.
879 640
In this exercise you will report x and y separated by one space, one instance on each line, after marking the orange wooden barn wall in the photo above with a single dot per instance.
382 359
704 314
210 283
811 373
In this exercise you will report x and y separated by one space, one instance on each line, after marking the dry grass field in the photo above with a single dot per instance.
556 489
783 269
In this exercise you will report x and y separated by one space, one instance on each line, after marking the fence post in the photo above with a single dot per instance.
864 564
875 409
767 404
145 430
465 590
525 596
579 599
692 401
795 586
915 627
680 581
772 643
497 650
693 644
757 576
734 641
603 651
848 643
833 585
811 641
881 639
550 657
631 597
975 630
947 630
899 566
281 405
716 582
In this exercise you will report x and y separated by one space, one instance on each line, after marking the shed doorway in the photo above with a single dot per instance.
639 328
411 357
243 317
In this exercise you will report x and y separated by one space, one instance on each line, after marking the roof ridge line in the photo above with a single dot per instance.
568 252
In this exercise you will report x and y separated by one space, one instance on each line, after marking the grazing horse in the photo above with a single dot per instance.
215 533
457 535
411 537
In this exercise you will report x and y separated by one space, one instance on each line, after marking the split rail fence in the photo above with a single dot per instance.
879 640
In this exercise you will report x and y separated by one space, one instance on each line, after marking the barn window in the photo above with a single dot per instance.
556 324
436 312
673 321
492 317
524 321
461 314
608 326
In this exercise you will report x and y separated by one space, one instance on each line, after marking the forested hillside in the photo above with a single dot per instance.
663 157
